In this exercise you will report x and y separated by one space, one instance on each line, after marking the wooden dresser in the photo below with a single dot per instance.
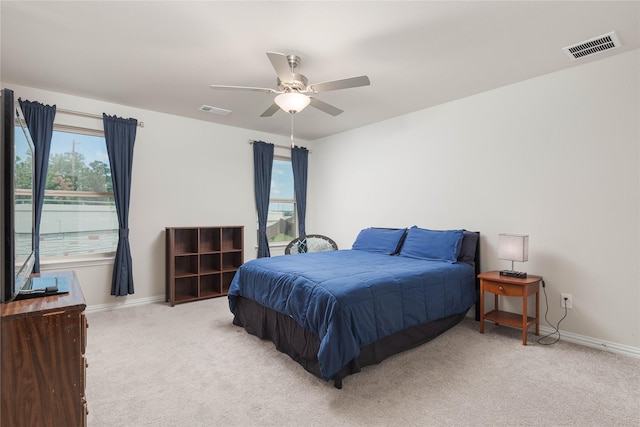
43 359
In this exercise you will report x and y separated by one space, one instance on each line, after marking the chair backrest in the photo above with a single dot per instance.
310 243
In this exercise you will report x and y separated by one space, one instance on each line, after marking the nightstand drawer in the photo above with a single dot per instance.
504 289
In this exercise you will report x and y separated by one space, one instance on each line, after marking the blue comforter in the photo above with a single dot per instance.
351 298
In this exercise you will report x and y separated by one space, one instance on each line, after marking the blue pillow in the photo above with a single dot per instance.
379 240
434 245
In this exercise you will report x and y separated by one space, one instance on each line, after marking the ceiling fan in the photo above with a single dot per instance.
294 89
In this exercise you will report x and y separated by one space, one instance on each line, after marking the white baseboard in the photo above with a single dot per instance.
127 303
609 346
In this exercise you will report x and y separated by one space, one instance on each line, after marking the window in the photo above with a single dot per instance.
282 222
78 215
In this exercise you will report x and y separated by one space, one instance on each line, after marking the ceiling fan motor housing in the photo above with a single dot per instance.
298 83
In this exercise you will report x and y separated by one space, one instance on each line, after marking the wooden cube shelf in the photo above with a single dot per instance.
201 261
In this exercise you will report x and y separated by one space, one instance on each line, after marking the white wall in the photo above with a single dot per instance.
556 157
185 173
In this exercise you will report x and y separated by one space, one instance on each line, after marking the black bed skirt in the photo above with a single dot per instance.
302 345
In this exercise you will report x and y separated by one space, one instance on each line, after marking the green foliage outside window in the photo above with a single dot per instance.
69 172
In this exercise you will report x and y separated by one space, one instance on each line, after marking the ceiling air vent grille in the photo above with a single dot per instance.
592 46
214 110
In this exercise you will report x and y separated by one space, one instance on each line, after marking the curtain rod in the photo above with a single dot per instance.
251 141
90 115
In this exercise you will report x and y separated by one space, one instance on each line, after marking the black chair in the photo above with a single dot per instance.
310 243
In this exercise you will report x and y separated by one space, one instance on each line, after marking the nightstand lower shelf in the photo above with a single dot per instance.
500 317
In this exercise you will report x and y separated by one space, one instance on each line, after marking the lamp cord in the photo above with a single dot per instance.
557 327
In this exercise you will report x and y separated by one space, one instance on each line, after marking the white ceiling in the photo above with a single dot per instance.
163 55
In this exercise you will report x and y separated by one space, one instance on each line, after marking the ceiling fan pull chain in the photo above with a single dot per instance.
292 143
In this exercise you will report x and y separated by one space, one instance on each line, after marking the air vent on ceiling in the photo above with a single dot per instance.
214 110
592 46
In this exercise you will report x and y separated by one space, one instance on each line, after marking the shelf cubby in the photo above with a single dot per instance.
232 239
231 260
210 286
186 265
209 240
186 241
186 289
210 263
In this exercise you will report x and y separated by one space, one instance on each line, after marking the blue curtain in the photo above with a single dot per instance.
39 119
299 162
262 166
120 136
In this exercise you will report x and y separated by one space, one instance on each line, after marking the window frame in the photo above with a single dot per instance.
279 200
77 260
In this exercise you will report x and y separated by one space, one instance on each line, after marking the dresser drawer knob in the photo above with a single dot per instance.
501 288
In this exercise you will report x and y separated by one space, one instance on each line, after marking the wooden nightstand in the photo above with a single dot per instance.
498 285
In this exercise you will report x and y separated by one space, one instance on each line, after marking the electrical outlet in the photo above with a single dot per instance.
566 298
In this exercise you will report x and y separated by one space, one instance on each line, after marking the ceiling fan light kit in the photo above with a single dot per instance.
292 102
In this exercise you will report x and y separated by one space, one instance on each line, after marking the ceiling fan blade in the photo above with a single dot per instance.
281 65
270 111
243 88
323 106
341 84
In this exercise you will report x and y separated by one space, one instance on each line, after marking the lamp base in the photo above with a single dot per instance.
516 274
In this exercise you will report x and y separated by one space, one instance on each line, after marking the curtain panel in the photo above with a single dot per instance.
39 119
263 165
299 162
120 136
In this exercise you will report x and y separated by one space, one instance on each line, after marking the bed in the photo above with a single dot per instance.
338 311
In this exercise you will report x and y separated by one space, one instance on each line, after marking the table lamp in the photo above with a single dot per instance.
513 247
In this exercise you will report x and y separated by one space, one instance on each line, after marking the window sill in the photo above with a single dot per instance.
278 245
275 245
53 264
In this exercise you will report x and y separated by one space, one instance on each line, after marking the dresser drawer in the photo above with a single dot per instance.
505 289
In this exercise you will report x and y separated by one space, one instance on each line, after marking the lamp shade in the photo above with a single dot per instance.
513 247
292 102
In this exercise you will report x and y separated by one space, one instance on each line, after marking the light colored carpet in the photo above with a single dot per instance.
155 365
